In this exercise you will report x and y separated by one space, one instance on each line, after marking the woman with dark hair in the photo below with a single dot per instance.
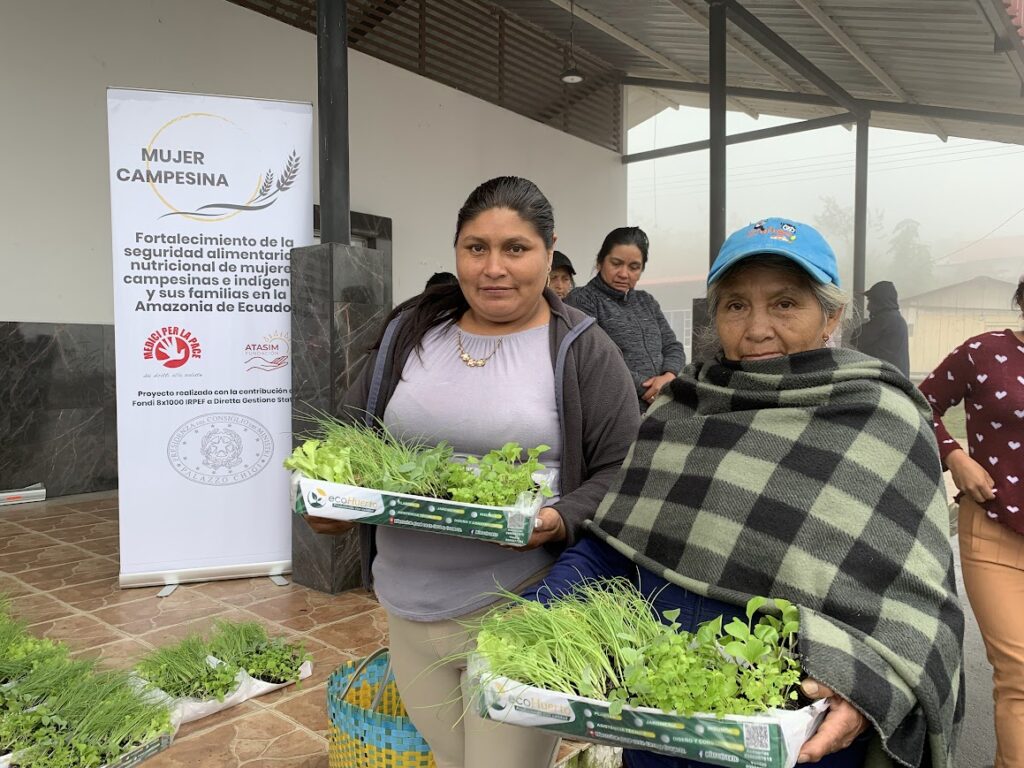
493 359
986 372
785 469
632 318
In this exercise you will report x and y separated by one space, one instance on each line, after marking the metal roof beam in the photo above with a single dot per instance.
741 138
1007 38
767 37
739 46
614 32
662 98
873 105
838 34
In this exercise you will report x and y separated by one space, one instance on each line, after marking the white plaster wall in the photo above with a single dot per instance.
417 147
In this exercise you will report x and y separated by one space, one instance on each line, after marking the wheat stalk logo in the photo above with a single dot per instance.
291 170
268 184
266 197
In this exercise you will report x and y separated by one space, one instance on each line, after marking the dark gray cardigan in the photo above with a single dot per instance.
636 324
598 412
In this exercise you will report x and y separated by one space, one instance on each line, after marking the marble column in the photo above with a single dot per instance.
340 297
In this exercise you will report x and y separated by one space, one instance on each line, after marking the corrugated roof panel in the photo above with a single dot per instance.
938 52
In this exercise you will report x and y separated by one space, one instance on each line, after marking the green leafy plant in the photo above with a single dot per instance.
51 750
22 653
737 669
317 459
247 645
183 670
496 479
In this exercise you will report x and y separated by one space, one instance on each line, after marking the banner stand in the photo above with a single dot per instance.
208 196
161 578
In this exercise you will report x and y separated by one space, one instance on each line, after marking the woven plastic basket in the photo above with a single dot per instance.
369 726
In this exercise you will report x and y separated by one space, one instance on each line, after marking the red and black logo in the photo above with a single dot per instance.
172 347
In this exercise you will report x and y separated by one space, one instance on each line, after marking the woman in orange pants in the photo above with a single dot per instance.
986 372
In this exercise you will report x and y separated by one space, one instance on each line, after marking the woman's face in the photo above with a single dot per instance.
560 281
622 267
502 264
765 312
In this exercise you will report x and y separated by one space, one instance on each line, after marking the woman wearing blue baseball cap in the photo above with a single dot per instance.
786 469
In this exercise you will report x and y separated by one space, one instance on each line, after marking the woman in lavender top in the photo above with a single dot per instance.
496 358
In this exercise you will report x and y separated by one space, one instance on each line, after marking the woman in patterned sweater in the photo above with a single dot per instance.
986 372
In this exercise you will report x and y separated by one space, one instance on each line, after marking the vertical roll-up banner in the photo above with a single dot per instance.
208 194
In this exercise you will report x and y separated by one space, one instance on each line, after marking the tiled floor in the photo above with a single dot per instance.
58 564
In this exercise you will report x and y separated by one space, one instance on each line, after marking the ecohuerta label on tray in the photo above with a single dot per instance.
771 740
504 525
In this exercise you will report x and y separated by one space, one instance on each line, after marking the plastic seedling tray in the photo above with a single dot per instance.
504 525
771 740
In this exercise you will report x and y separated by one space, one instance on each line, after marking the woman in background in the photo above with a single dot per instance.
632 318
986 372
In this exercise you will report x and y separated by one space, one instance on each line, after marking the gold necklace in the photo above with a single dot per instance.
473 362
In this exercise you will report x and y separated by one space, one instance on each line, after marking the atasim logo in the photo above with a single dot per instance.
172 347
270 354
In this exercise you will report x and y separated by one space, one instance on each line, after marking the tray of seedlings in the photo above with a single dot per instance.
598 665
59 712
360 474
199 677
267 663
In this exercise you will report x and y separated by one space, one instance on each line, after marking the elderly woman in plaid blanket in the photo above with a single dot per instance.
788 469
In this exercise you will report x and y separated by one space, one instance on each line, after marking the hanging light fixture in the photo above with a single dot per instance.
571 75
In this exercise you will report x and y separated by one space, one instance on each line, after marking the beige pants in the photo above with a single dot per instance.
438 698
993 563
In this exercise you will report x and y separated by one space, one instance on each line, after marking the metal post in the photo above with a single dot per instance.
332 93
860 215
716 68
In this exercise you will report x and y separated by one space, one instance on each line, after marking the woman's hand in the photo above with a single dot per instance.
654 385
547 526
328 526
842 724
970 477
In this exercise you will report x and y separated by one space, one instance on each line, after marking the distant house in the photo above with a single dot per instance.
996 257
939 320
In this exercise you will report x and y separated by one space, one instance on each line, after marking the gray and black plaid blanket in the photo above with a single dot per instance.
814 478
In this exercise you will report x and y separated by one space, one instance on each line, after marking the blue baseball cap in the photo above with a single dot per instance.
801 243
